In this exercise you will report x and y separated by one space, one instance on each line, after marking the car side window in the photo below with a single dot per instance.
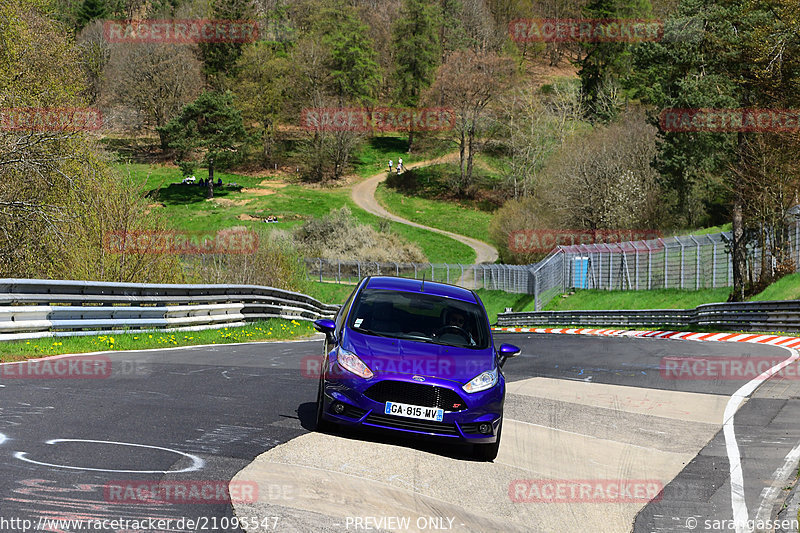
345 309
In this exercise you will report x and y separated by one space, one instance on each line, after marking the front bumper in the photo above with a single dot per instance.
359 410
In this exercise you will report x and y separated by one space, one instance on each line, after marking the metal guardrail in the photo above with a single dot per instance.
53 308
745 316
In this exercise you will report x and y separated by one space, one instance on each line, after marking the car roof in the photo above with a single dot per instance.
415 285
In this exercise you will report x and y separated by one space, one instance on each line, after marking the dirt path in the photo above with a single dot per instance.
364 196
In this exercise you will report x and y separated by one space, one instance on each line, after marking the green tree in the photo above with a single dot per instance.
452 36
91 10
354 71
220 58
211 124
602 64
727 66
261 90
416 53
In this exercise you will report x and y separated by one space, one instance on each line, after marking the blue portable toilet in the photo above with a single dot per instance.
580 273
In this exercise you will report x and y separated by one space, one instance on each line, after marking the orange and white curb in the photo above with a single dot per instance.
758 338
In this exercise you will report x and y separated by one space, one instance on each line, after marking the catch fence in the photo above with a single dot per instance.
689 262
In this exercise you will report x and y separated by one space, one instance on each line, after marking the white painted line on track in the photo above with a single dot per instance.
769 494
197 463
738 502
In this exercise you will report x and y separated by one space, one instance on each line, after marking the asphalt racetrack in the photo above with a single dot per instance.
596 438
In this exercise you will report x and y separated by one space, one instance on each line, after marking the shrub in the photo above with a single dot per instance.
275 263
338 235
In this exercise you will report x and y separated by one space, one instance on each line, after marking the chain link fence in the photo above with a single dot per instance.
508 278
685 262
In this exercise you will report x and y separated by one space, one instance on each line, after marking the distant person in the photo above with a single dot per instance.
399 165
219 182
391 166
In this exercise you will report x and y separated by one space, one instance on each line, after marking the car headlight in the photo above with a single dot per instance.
487 380
351 362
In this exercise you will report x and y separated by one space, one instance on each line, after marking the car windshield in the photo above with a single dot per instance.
420 317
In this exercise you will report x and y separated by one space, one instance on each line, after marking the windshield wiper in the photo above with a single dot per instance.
370 332
414 337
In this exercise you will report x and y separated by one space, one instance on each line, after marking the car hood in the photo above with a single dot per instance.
386 356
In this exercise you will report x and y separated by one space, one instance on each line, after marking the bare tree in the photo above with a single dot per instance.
533 126
95 52
155 79
467 82
769 181
604 179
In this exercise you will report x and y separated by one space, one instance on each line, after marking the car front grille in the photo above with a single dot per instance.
416 394
411 424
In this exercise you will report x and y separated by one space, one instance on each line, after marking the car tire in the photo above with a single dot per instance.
488 452
322 425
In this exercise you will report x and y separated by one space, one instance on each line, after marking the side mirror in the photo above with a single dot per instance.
326 326
507 351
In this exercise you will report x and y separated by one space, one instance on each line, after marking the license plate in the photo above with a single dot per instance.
414 411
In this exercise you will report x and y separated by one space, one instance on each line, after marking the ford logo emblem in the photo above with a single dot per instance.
418 378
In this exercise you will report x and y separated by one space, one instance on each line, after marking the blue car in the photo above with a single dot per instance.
417 357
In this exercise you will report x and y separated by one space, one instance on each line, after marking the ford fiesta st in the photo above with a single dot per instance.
417 357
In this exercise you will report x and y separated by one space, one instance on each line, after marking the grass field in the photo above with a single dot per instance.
589 299
274 329
330 293
187 208
436 214
373 157
786 288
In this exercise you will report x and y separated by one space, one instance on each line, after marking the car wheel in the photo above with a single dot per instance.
322 426
488 452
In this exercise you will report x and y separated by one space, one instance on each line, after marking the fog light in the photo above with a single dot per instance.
485 428
338 408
